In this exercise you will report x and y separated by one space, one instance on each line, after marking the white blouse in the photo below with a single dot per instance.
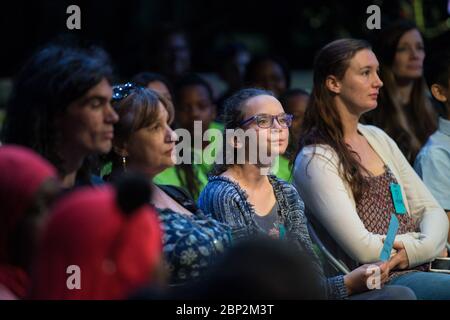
329 198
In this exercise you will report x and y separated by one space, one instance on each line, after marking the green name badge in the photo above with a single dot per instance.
397 198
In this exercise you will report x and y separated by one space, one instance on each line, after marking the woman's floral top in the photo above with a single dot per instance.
192 243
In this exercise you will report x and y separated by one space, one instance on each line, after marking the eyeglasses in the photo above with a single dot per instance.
266 121
122 91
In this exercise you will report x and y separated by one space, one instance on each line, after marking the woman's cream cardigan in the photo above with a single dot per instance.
329 198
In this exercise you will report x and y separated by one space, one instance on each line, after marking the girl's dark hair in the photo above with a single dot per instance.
322 123
232 117
437 68
49 82
437 71
137 110
410 126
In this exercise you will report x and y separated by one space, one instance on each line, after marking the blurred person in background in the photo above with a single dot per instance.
60 107
405 111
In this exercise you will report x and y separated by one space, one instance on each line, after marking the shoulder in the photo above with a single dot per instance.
375 133
437 143
220 185
320 149
433 153
286 190
317 158
220 191
380 140
181 196
374 130
282 185
316 151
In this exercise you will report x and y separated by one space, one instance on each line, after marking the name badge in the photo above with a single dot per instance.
397 198
282 231
390 237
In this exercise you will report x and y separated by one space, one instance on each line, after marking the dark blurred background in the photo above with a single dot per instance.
130 30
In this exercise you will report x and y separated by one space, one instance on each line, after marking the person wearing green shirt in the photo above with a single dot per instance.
194 102
294 101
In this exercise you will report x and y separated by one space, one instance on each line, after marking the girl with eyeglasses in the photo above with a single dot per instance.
254 204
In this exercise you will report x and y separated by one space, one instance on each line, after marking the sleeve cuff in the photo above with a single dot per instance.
336 287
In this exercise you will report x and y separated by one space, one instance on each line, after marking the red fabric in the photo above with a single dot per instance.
22 172
87 229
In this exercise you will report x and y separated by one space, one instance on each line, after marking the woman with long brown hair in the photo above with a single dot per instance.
345 171
405 112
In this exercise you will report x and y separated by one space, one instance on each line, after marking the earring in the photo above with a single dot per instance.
124 163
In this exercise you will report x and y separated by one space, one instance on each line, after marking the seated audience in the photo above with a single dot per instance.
194 102
433 162
354 179
145 143
253 203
